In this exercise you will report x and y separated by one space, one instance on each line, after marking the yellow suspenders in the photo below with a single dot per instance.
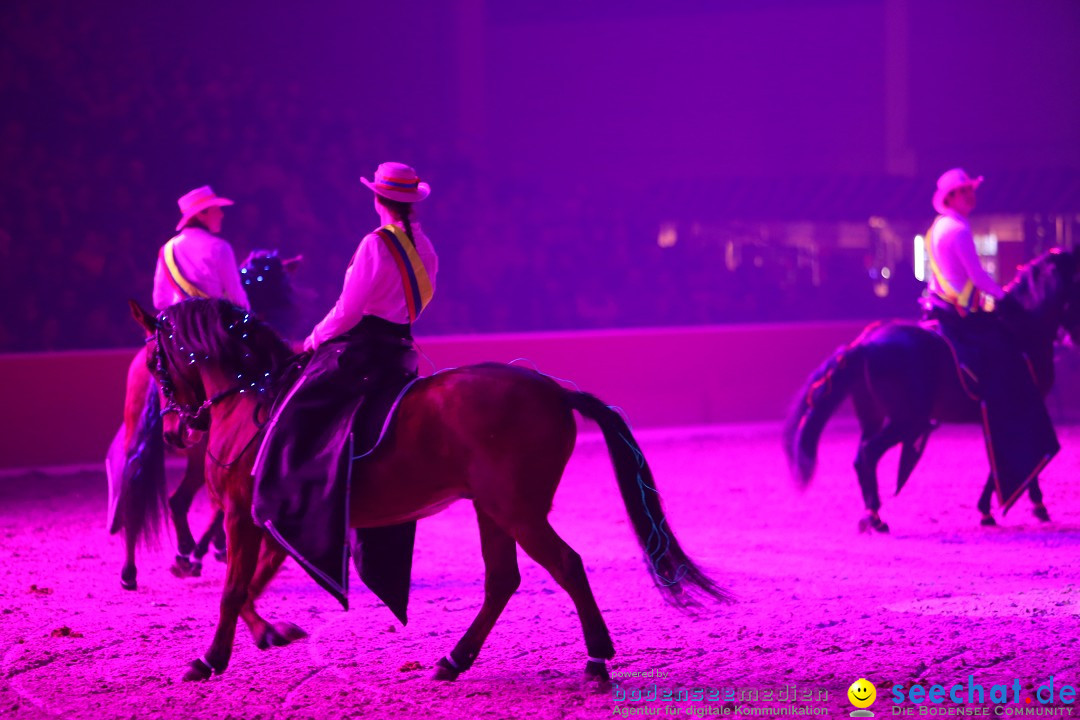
185 286
966 300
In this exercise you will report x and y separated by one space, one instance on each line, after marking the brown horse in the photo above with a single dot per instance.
266 279
497 435
903 381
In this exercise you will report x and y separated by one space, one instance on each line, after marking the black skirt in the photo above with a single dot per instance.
329 415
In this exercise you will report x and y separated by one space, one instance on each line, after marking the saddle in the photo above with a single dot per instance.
962 355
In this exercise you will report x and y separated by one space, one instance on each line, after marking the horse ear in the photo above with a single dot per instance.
290 264
144 318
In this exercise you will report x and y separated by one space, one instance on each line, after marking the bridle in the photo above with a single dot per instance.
195 415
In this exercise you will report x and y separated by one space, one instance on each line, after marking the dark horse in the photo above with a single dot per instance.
497 435
904 381
141 484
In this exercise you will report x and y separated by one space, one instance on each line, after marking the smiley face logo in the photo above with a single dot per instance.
862 693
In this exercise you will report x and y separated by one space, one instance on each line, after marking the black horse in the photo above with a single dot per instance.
904 382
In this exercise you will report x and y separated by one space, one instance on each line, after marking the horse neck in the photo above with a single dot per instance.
1036 331
232 421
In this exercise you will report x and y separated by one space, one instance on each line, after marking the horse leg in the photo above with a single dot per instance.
501 580
244 540
215 533
871 448
1035 493
219 540
267 635
551 552
128 573
179 506
987 519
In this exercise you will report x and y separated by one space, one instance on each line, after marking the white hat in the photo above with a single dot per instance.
194 202
952 180
397 181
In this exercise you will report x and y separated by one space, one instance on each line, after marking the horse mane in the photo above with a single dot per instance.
214 329
1040 279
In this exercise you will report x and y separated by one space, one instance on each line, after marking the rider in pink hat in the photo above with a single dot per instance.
362 357
1020 437
196 262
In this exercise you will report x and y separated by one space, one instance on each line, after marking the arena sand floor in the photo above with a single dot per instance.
940 600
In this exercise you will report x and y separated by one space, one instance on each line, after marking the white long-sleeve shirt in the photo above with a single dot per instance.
206 261
373 286
953 248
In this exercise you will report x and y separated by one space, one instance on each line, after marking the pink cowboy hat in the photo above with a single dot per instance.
397 181
952 180
194 202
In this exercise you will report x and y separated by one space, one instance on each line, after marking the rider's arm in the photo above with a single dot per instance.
163 290
231 286
368 275
964 245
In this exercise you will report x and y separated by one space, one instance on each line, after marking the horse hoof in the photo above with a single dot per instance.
221 555
280 635
1041 513
445 671
987 520
596 675
127 579
197 671
181 566
872 524
196 569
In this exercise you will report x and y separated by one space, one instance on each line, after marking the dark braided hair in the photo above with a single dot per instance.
402 210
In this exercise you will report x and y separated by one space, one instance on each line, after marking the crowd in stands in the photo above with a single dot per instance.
95 152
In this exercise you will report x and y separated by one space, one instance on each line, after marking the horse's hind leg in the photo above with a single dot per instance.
215 533
267 635
551 552
871 448
179 506
501 580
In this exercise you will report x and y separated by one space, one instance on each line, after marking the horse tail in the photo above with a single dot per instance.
142 493
672 570
819 398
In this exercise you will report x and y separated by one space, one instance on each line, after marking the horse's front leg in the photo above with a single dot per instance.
1038 509
180 505
244 540
268 635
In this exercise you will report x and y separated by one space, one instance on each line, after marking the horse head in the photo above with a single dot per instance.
180 388
268 283
1070 269
1048 288
202 352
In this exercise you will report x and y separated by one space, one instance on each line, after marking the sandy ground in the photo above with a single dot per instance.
820 605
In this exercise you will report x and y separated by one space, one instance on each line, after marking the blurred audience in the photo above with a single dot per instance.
95 152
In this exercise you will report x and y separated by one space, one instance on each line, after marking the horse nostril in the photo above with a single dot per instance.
173 439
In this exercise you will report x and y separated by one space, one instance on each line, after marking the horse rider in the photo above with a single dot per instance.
362 356
1020 436
196 262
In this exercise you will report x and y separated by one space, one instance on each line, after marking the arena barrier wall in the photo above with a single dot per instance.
63 408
